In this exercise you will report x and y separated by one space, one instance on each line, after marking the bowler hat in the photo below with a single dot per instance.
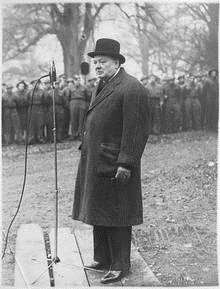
107 47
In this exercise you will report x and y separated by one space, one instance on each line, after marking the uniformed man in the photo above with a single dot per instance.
211 97
78 107
3 111
173 116
200 92
59 110
48 111
37 114
4 87
183 94
66 95
90 88
62 81
11 122
22 105
155 99
192 106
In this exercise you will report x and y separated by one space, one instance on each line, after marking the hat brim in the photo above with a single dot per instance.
104 53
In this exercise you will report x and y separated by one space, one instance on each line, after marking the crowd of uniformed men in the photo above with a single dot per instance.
185 103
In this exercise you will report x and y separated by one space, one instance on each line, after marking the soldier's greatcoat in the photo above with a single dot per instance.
116 131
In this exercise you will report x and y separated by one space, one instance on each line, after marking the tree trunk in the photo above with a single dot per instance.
143 43
71 58
212 43
74 29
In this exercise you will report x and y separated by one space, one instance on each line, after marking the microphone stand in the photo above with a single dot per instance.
56 259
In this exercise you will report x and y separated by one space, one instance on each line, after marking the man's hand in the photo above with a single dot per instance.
122 175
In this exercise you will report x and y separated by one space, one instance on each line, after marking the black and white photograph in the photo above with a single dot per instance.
109 141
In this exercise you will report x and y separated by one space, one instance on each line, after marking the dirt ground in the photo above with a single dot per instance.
178 238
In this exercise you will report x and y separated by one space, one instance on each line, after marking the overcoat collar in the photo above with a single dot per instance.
106 91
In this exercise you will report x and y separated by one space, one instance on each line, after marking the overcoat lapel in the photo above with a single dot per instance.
106 91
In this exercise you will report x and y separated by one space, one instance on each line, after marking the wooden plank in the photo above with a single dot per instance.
84 239
69 271
141 274
30 257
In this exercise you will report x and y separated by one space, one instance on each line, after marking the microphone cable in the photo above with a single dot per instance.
28 121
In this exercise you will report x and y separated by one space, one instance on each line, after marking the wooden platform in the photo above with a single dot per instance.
75 249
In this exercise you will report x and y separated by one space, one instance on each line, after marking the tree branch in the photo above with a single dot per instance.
26 47
98 9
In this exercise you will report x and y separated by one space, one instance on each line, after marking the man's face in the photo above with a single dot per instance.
21 86
4 88
77 81
105 66
144 82
191 80
9 90
152 79
70 84
62 80
213 74
46 85
92 82
181 80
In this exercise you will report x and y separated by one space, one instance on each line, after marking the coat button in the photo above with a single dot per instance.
84 133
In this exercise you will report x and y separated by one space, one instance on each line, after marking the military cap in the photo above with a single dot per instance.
92 78
34 81
22 81
198 76
150 75
213 69
46 81
144 77
62 75
181 76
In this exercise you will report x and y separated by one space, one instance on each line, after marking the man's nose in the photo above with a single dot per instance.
97 65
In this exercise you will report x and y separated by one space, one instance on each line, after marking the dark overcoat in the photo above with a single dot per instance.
116 131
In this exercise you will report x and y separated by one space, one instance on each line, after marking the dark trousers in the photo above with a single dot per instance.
112 246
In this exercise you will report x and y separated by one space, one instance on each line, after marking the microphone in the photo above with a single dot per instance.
52 73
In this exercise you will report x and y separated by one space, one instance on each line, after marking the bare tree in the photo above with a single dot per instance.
208 13
146 22
72 23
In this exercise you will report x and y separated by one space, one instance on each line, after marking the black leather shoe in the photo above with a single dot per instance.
97 266
113 276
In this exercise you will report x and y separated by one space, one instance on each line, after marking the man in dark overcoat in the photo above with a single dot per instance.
108 185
